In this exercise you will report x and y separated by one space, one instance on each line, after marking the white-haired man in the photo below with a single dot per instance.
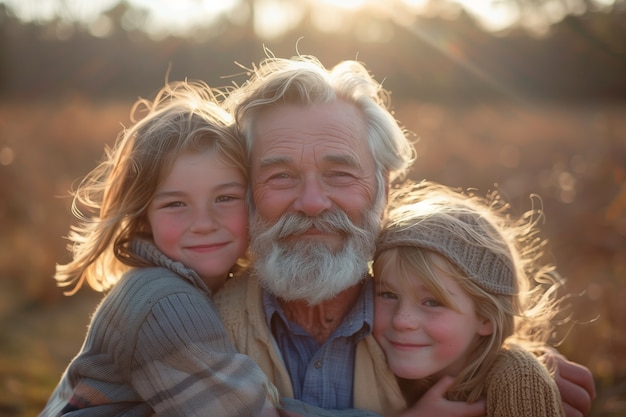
323 151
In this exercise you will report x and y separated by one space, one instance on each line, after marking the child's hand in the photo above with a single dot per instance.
433 403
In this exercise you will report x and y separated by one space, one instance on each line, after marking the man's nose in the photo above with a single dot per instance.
312 199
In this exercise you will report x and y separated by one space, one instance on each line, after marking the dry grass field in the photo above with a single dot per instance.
573 156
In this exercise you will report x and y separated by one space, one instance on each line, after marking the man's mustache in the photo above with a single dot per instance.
294 224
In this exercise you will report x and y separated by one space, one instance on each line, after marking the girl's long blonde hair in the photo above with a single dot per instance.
112 200
523 314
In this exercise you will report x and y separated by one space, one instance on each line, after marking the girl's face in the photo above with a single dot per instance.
198 216
420 336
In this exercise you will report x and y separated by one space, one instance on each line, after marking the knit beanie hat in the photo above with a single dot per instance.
492 271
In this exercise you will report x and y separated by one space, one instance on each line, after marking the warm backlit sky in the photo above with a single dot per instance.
271 16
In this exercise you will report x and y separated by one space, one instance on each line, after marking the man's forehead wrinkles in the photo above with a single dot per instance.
277 151
341 158
315 143
324 129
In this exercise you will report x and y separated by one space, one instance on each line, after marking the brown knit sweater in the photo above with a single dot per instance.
520 386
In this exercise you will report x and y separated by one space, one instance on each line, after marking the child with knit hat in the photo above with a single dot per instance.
458 295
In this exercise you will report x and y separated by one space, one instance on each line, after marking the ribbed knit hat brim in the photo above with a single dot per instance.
491 271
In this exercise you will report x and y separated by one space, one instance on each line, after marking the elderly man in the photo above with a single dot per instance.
323 151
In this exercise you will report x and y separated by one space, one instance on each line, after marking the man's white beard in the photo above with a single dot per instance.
308 269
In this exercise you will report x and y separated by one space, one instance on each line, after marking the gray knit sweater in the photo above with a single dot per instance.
156 345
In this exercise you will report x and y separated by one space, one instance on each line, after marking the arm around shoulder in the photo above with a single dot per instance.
184 363
575 383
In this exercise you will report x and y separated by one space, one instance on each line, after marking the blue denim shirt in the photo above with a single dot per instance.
322 375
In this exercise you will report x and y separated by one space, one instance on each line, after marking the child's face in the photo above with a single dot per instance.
419 335
199 217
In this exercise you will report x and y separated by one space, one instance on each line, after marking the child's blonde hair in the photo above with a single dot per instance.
185 116
494 257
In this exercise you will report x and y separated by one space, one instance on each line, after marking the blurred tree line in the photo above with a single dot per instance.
581 58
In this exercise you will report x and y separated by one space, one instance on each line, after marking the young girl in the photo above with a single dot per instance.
453 277
168 224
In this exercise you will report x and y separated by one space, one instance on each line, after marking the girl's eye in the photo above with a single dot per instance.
225 198
174 204
236 195
387 295
430 302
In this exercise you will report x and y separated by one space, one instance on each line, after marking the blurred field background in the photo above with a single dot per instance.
536 107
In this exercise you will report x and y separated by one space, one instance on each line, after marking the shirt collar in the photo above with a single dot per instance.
359 319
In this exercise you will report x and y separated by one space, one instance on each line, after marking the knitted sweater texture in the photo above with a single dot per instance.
520 386
156 345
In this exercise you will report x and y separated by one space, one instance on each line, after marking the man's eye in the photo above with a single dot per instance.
280 176
340 177
281 179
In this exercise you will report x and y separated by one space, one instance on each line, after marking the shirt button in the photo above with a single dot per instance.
318 364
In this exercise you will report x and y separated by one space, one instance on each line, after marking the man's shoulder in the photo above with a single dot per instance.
241 309
232 300
233 289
